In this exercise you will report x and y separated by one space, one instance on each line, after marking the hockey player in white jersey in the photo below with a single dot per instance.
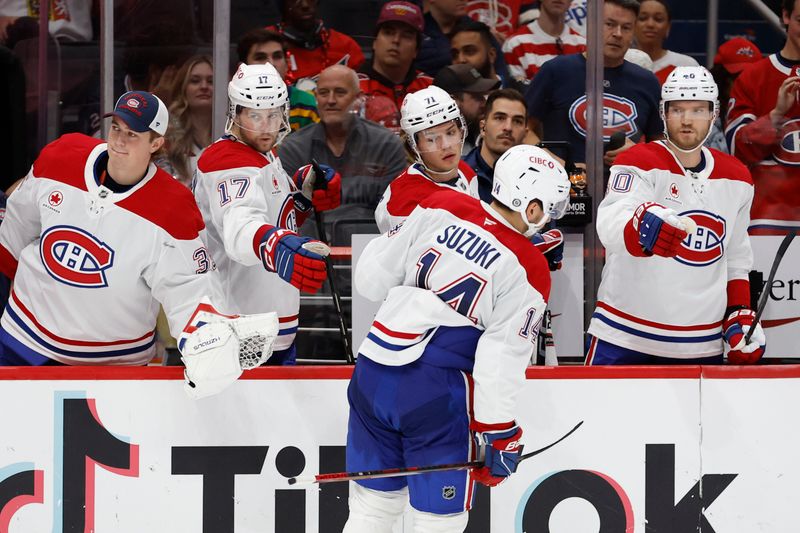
434 132
251 207
463 294
674 224
95 237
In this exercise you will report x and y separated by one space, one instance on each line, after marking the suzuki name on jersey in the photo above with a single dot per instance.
468 244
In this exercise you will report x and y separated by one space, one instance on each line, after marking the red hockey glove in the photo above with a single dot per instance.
551 244
325 192
735 329
502 451
294 258
659 229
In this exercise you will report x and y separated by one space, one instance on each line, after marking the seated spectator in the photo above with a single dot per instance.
313 46
529 47
733 56
190 118
391 74
652 29
471 44
504 125
366 155
557 99
440 22
261 46
469 89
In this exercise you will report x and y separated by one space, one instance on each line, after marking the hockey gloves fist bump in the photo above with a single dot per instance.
297 260
502 452
659 229
551 244
324 192
735 329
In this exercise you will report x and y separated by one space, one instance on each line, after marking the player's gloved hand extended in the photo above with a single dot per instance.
297 260
659 228
502 451
551 244
735 329
324 192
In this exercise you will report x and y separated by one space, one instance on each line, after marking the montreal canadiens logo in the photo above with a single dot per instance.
706 245
788 151
287 218
619 114
74 257
132 103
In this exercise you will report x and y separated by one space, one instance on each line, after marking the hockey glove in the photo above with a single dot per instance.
502 451
735 329
325 192
297 260
659 228
551 244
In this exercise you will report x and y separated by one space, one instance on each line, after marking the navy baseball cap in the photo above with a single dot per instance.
142 111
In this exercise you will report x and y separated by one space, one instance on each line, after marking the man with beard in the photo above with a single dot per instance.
674 224
503 126
366 155
469 89
471 44
312 45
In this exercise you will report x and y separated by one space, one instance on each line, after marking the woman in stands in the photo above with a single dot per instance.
652 29
190 111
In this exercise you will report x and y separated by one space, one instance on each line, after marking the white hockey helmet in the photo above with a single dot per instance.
689 84
425 109
258 87
525 173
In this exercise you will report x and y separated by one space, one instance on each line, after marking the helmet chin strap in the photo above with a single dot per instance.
534 227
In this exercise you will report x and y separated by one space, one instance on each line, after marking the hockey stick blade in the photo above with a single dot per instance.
762 303
411 470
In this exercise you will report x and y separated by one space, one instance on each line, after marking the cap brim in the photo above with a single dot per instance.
736 68
121 116
380 23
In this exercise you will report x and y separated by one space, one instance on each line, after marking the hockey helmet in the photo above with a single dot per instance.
689 84
259 87
425 109
525 173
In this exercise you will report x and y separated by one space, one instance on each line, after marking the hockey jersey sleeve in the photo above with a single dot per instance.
382 263
240 216
22 224
505 347
181 275
628 187
383 218
740 255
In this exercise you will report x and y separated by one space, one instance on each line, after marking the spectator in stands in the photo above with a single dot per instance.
190 118
261 46
652 29
391 74
763 113
471 44
469 89
557 99
366 155
733 56
503 17
503 126
529 47
440 21
314 47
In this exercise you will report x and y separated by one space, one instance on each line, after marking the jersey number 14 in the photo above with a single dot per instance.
461 294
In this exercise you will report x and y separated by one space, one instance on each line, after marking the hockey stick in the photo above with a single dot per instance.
762 303
337 300
411 470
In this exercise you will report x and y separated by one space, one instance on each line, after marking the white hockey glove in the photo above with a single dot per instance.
216 353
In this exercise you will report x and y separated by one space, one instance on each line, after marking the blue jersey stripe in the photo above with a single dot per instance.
653 336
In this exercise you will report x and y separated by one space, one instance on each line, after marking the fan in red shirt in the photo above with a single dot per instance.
312 46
